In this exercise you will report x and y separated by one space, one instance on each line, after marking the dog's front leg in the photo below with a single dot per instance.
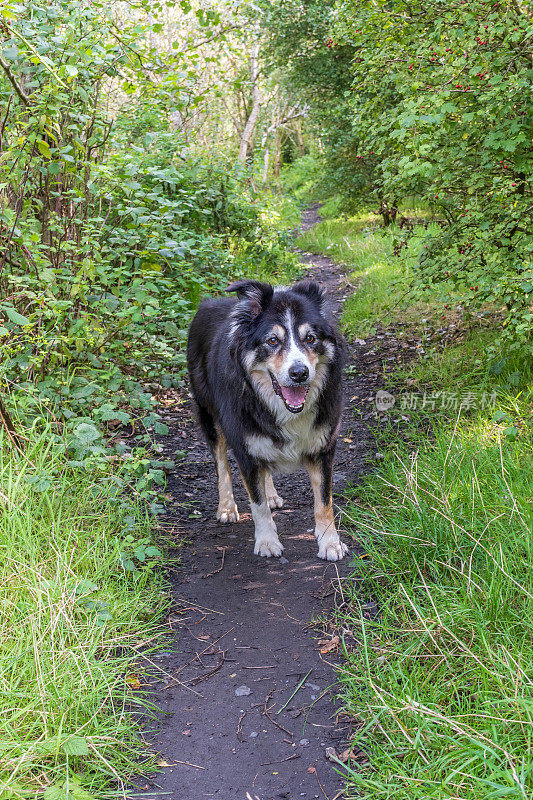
320 471
267 542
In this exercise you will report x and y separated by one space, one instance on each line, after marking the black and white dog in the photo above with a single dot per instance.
266 374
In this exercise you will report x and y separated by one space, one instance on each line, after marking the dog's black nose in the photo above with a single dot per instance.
298 373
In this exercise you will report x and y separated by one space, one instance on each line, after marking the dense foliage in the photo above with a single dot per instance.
439 108
112 224
444 92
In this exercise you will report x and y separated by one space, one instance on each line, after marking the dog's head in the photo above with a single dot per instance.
285 340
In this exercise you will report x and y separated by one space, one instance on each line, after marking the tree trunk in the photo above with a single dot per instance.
266 160
299 137
278 154
257 102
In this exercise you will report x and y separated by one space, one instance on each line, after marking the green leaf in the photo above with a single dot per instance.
44 148
14 316
76 746
73 792
86 433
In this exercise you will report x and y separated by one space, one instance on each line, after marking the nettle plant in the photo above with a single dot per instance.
441 101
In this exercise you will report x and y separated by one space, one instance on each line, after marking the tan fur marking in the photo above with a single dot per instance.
275 362
227 507
330 546
273 498
324 519
278 331
312 356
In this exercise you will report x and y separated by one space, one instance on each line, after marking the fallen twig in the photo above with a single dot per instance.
282 760
197 656
210 574
189 764
211 672
240 736
201 608
273 721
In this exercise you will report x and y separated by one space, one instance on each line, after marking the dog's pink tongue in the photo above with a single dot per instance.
294 395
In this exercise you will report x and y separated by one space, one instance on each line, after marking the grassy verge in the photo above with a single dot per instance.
79 595
79 588
384 292
441 679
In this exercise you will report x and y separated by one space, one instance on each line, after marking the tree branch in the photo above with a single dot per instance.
14 83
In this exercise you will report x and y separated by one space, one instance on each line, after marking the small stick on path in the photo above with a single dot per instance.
240 736
281 761
211 672
210 574
189 764
273 721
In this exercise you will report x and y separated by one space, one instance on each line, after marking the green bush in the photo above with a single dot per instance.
440 102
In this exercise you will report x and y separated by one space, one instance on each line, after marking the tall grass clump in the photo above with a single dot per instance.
442 681
76 605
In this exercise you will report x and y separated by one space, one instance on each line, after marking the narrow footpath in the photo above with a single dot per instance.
248 686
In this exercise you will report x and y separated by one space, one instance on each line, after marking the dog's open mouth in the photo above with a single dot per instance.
292 396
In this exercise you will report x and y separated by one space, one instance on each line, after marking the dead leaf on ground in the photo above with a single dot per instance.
327 645
133 682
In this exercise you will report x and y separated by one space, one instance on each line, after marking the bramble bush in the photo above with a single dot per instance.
429 101
110 229
441 98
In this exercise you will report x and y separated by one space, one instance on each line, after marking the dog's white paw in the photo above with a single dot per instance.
274 500
228 513
268 547
332 549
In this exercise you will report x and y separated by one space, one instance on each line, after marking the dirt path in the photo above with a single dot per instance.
243 634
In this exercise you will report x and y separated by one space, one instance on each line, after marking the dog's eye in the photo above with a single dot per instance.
309 338
273 340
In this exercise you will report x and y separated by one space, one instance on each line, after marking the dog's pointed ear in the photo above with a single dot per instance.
312 290
258 294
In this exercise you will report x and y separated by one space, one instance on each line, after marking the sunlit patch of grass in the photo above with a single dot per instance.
443 677
383 284
73 617
353 242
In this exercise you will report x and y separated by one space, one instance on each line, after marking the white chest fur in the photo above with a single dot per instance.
301 438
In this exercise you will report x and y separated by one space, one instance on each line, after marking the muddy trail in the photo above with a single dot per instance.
248 684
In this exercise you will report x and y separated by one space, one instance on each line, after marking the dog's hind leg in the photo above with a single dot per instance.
320 471
273 498
227 507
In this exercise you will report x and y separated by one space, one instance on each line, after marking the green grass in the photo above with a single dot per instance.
441 680
383 285
78 599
